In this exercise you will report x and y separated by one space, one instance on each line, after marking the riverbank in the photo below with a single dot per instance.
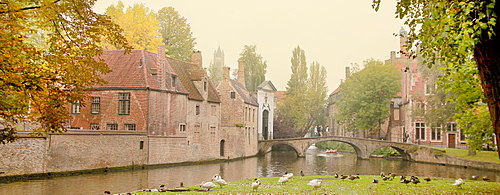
332 185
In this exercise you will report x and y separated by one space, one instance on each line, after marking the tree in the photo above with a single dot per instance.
473 117
139 25
304 102
450 32
176 34
366 96
38 80
255 67
317 94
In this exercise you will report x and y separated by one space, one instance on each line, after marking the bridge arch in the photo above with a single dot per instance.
404 154
267 147
359 153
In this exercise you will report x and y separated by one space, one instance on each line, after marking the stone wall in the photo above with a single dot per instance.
26 155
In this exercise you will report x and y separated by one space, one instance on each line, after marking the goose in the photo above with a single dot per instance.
353 177
315 183
459 182
375 181
208 185
283 179
485 178
343 176
255 185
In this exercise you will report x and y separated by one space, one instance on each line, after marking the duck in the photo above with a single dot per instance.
375 181
353 177
208 185
427 179
283 179
485 178
315 183
459 182
474 177
255 185
302 173
343 176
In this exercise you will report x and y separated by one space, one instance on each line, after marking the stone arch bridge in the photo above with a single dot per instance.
363 147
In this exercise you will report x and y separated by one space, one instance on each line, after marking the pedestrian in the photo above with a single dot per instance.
327 130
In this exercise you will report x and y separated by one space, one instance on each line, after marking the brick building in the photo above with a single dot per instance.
239 112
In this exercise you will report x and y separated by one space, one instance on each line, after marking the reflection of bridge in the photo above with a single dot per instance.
363 147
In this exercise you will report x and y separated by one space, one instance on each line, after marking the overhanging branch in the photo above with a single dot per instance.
24 8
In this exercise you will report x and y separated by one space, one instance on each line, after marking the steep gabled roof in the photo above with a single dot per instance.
188 73
336 91
133 70
243 92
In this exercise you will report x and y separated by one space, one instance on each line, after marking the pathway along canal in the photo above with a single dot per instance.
317 162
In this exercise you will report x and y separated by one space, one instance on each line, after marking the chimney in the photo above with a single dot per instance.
241 72
347 72
225 73
162 61
196 59
403 47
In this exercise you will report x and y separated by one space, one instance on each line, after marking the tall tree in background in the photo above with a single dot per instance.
317 94
450 31
304 102
366 96
41 76
255 67
139 24
176 34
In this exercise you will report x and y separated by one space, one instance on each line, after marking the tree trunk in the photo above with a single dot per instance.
487 56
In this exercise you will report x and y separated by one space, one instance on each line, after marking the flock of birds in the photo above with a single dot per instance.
316 183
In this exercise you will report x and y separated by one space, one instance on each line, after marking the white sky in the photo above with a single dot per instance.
334 33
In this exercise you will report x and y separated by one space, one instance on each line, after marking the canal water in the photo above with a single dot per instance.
275 163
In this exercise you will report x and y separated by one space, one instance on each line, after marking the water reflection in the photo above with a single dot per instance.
317 162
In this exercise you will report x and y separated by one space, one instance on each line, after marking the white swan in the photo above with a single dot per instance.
289 175
208 185
283 179
255 185
459 182
315 183
219 180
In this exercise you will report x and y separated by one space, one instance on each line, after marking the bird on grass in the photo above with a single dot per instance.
459 182
485 178
289 175
218 180
315 183
302 173
474 177
208 185
336 175
343 176
375 181
353 177
255 185
427 179
283 179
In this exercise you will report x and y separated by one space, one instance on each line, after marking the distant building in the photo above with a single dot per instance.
265 95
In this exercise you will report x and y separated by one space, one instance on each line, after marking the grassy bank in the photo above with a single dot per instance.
486 156
331 185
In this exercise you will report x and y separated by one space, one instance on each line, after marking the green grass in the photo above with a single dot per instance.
331 185
486 156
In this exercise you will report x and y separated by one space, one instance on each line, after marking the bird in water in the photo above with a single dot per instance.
255 185
218 180
208 185
459 182
283 179
315 183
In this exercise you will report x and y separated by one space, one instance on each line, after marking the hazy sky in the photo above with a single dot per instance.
335 33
